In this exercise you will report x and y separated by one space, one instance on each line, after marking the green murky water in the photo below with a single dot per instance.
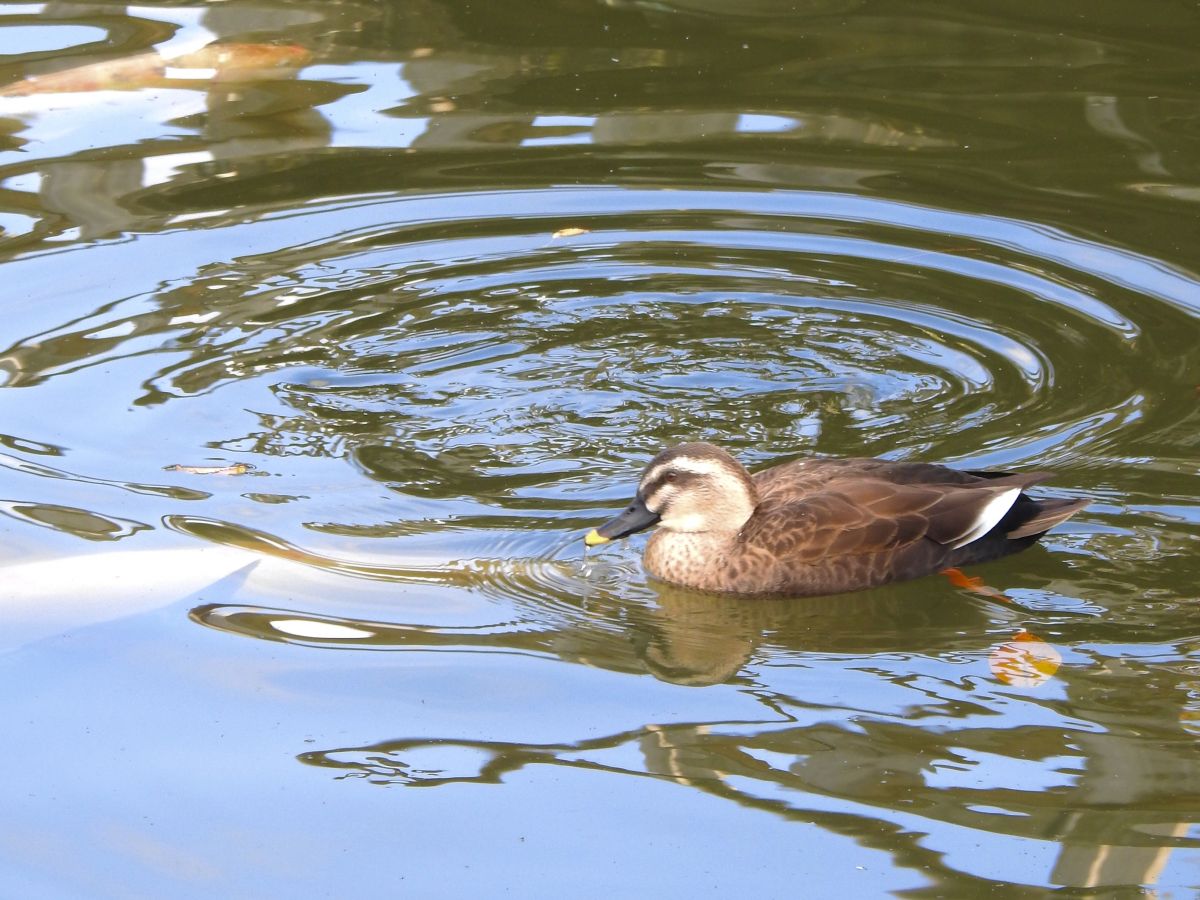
445 274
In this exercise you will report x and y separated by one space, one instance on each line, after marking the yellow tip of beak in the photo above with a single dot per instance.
594 537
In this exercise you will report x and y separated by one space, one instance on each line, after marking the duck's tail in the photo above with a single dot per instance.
1045 515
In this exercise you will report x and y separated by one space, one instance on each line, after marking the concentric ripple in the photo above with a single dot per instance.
495 373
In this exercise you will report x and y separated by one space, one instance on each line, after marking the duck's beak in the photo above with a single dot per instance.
635 518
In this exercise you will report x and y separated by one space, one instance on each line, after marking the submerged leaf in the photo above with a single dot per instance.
1025 661
215 62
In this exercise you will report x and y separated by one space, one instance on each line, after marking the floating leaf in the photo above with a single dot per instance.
570 232
235 469
1025 661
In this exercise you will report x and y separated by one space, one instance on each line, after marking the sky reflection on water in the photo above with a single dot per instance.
445 275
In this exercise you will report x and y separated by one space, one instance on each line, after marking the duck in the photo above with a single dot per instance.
823 526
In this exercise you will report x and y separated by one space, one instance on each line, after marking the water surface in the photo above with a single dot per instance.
441 277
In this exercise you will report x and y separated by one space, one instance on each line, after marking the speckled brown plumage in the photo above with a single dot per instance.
825 526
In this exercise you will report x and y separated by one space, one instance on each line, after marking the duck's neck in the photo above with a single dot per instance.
690 558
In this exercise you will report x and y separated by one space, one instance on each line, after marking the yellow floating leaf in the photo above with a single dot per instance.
1025 661
570 232
235 469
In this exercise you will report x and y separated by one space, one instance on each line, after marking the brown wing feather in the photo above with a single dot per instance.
807 475
830 523
861 516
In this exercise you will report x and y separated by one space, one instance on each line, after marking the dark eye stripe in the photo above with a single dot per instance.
680 479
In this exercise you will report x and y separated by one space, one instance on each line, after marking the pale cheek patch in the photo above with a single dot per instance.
659 500
684 522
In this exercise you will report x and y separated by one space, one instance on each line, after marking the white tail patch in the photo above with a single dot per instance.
989 517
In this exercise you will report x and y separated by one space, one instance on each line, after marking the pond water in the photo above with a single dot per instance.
322 347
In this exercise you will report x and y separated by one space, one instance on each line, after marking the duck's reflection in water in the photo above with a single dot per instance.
704 639
871 715
681 636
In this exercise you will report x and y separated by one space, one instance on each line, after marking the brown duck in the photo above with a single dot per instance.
824 526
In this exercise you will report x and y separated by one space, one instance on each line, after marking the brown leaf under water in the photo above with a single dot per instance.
216 62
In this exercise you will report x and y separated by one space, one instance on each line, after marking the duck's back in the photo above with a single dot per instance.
826 526
793 480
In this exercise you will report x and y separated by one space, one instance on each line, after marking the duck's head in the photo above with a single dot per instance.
689 488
